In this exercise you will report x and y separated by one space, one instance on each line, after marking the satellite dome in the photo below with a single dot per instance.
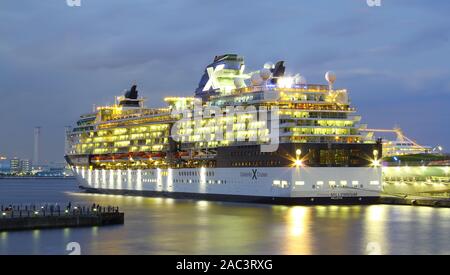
239 83
256 79
269 65
265 73
330 77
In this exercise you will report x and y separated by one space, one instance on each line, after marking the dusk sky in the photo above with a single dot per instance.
57 61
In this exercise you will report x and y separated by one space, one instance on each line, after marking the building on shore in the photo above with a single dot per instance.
20 166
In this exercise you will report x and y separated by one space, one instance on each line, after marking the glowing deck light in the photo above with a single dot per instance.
298 162
103 178
98 178
169 180
119 179
111 179
139 180
3 214
202 185
158 179
375 163
129 180
89 177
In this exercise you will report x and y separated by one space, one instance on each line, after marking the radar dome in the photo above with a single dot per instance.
330 77
239 82
265 73
256 80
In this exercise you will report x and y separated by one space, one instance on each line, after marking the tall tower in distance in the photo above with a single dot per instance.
37 134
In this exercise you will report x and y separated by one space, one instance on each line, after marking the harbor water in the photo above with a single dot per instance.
168 226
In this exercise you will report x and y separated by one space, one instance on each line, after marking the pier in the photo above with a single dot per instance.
27 217
416 201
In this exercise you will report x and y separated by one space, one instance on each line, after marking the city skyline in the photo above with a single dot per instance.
63 58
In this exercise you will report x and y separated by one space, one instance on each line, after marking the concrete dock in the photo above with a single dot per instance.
416 201
44 217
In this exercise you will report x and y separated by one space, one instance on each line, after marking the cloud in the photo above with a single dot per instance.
56 61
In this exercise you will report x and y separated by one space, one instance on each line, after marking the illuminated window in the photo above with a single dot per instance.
298 183
276 183
355 182
332 183
343 183
374 182
320 183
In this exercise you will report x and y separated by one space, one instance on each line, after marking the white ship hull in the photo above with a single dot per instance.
289 185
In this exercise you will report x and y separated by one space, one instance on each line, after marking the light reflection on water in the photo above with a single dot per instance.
168 226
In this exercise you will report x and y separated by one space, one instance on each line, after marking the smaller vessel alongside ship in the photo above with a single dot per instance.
402 145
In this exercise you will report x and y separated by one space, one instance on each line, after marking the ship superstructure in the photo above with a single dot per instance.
262 136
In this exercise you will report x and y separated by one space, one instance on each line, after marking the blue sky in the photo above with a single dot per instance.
57 61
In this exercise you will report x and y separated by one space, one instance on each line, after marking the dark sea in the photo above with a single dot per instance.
169 226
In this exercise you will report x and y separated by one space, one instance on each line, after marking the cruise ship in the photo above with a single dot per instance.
263 136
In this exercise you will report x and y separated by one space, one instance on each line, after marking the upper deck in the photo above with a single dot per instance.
275 107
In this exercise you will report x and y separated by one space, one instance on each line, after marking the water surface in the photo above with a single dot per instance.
169 226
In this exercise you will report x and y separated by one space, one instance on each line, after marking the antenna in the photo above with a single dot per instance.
37 137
